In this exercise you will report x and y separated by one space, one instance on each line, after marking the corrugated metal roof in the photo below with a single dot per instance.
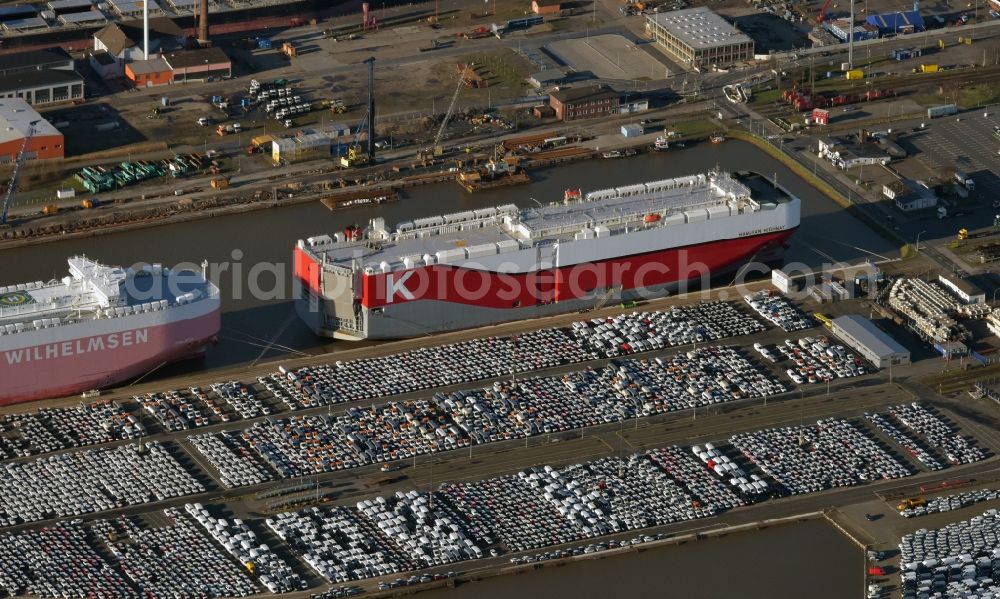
699 28
16 115
866 333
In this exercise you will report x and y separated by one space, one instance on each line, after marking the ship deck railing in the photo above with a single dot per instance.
623 219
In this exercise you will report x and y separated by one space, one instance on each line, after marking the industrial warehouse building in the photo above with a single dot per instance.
42 87
40 76
199 64
699 38
861 335
897 23
967 291
35 60
16 117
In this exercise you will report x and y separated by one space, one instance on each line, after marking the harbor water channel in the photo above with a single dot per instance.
804 559
266 328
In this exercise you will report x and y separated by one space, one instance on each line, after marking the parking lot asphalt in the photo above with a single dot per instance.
967 145
609 57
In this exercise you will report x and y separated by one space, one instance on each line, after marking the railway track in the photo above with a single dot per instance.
900 83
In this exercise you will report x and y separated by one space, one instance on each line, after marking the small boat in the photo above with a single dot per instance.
679 144
661 144
619 153
717 139
572 195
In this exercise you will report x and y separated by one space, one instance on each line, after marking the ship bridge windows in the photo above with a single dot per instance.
602 194
459 217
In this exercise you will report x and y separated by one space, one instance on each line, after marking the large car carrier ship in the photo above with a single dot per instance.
99 326
493 265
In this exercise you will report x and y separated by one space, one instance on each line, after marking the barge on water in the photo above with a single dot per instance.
496 173
619 153
365 197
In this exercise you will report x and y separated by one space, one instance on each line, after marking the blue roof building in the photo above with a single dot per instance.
897 22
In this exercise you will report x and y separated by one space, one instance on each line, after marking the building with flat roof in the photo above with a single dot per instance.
104 64
585 102
908 21
908 196
35 60
697 37
845 155
47 86
147 73
966 290
861 334
199 64
16 118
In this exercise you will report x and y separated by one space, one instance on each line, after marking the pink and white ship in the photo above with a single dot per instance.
100 326
492 265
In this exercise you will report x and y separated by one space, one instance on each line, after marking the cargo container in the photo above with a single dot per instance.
854 74
941 110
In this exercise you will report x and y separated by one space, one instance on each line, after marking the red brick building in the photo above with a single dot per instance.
587 102
15 117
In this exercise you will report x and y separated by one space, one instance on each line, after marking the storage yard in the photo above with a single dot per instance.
639 402
398 467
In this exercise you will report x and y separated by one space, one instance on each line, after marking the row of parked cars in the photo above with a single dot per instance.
682 325
242 542
947 503
508 409
961 559
236 464
904 440
810 458
942 435
815 360
91 480
339 543
174 560
57 429
57 562
778 310
429 367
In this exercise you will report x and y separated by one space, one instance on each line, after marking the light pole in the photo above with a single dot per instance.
918 239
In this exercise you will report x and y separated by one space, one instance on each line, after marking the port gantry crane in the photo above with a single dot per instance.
12 185
436 149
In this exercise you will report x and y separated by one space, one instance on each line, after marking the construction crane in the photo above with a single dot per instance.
822 12
12 185
355 156
436 146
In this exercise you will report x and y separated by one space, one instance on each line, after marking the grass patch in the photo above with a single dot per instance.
979 94
768 96
695 128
